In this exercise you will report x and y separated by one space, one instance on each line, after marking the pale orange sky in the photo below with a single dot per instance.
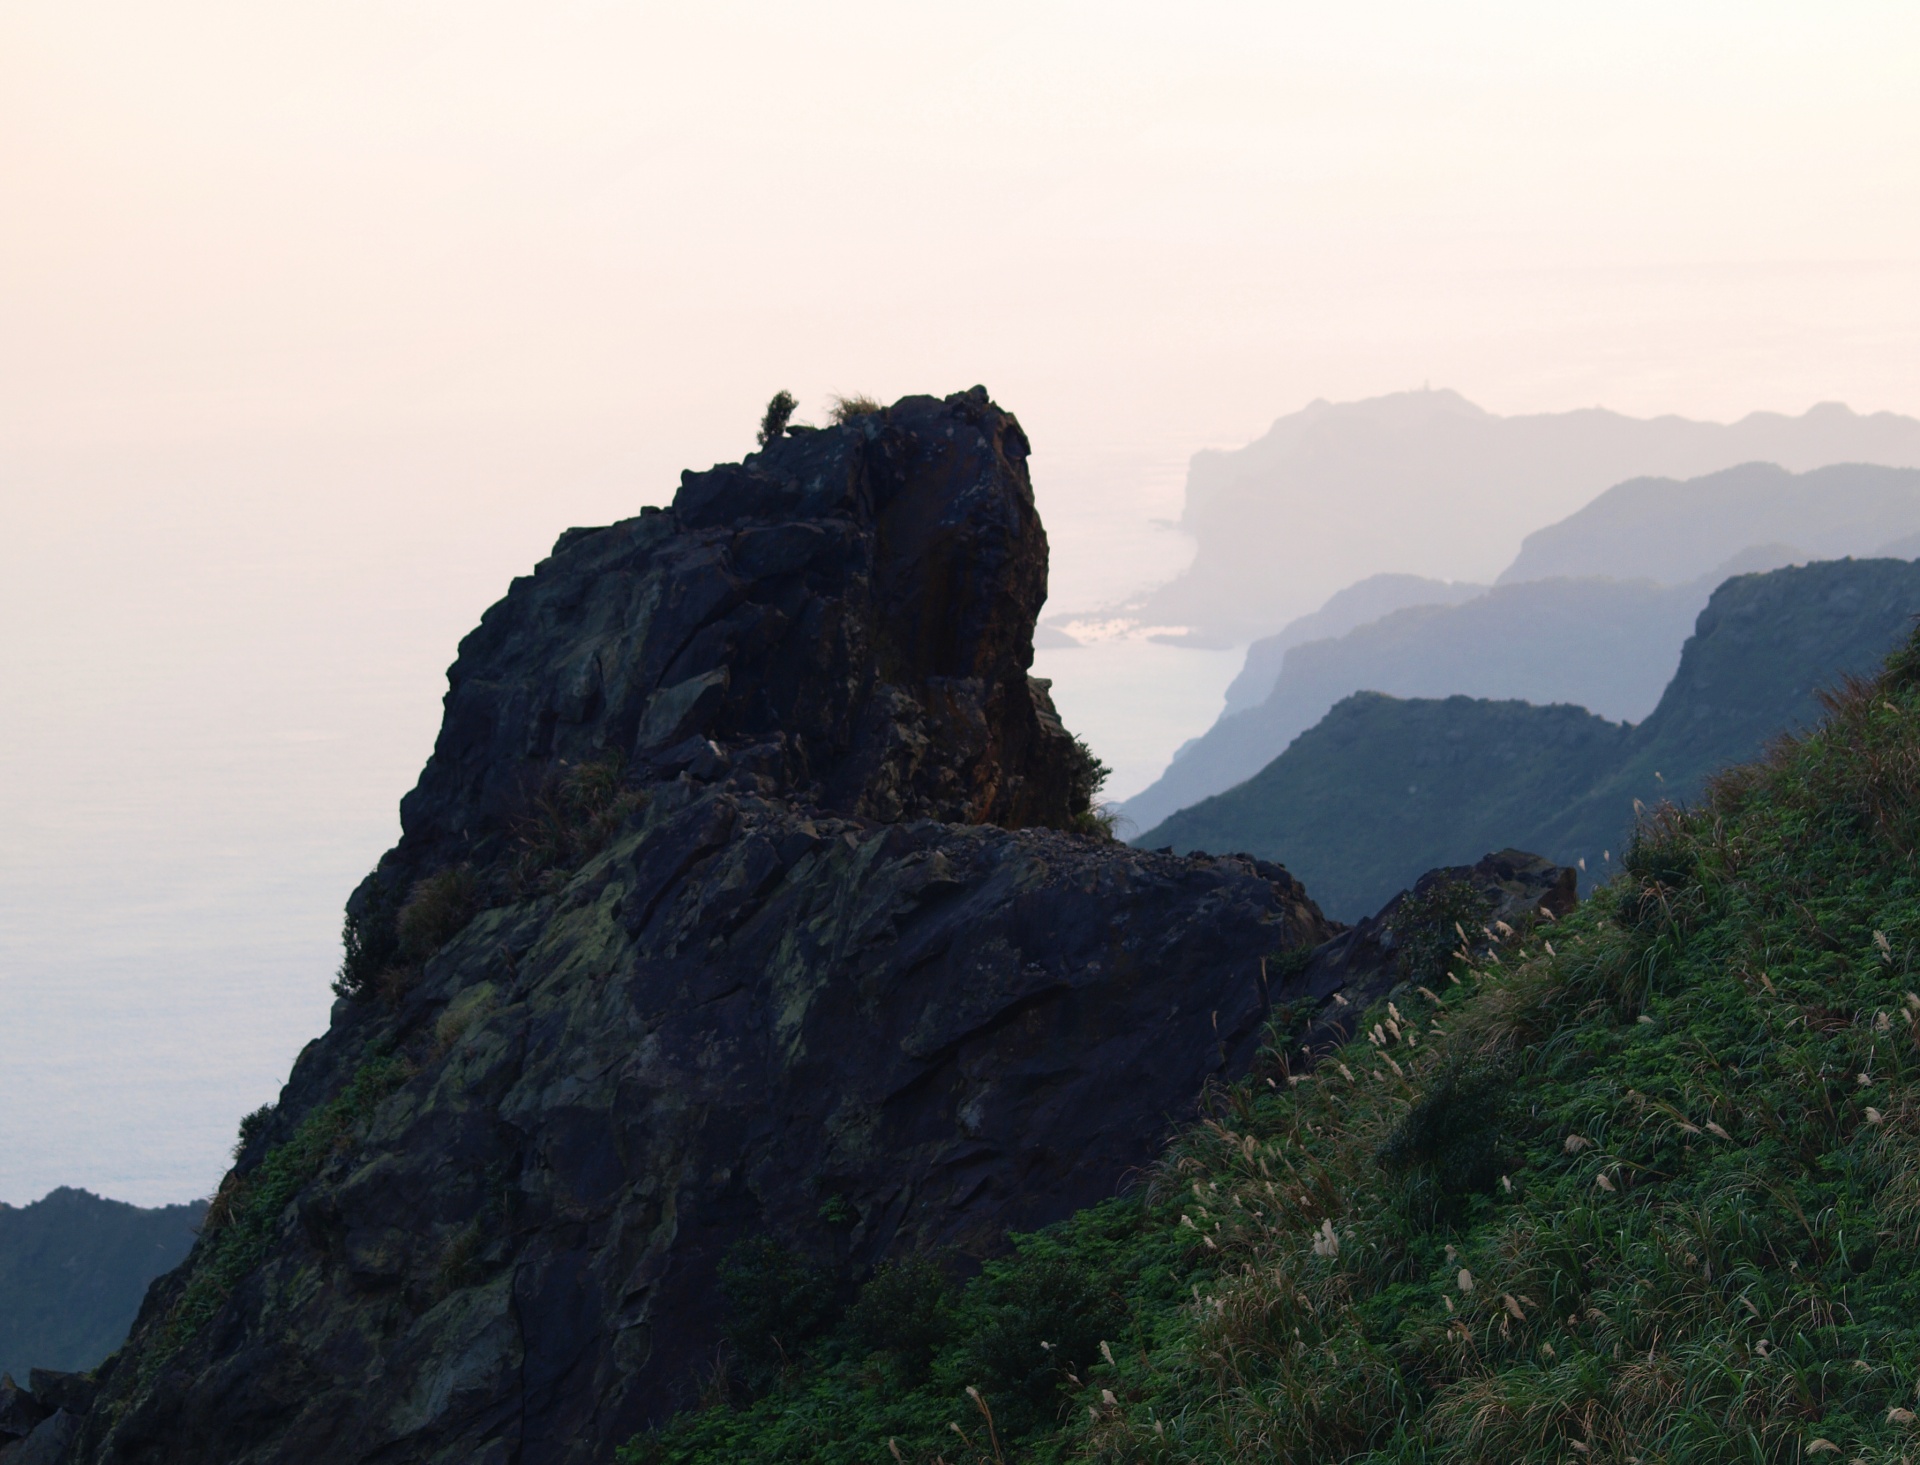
318 320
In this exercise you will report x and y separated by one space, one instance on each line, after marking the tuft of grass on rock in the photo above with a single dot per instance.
845 409
569 821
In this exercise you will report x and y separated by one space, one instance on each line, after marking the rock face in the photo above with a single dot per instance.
740 898
1369 960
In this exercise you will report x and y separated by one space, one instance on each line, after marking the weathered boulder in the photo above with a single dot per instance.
20 1411
60 1389
740 898
1450 907
50 1443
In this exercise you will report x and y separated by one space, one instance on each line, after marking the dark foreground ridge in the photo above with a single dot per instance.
742 898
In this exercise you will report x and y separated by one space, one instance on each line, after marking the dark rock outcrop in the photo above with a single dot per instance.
73 1392
1370 960
51 1442
738 899
20 1411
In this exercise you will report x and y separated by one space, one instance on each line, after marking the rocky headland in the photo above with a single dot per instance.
751 892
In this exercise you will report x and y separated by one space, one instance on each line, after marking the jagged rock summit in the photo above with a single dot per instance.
744 896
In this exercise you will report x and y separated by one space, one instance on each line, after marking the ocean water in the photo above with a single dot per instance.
218 688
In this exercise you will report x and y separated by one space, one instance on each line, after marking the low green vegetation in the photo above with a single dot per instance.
1642 1186
244 1214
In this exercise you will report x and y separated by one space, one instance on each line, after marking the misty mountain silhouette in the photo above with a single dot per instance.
1427 483
1668 531
1607 645
1383 788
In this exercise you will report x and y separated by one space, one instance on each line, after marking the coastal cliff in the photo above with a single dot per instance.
750 895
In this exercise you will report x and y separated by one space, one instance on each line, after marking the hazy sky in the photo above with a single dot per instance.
317 321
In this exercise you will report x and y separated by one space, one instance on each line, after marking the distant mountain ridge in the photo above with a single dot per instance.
1557 639
1345 610
1669 531
73 1268
1383 788
1426 483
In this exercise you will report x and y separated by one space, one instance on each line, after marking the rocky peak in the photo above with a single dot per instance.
738 905
845 618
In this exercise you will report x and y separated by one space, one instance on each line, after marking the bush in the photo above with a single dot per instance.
436 911
369 942
1427 927
1040 1318
251 1127
777 1302
1086 776
1449 1142
577 811
779 413
903 1313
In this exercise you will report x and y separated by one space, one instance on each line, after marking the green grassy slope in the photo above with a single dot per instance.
1331 808
1643 1186
73 1268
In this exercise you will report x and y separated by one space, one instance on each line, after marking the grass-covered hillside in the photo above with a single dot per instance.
1384 788
1640 1186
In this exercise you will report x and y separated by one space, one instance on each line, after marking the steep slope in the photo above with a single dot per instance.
1426 483
1431 782
1606 645
1638 1185
1659 529
73 1267
734 909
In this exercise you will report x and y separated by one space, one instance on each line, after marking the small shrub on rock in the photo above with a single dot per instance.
437 909
576 812
779 413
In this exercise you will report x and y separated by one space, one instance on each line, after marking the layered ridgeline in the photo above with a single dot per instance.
73 1268
1592 611
1383 788
1634 1182
748 920
1432 485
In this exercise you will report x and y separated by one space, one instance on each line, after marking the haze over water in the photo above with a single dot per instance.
318 323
